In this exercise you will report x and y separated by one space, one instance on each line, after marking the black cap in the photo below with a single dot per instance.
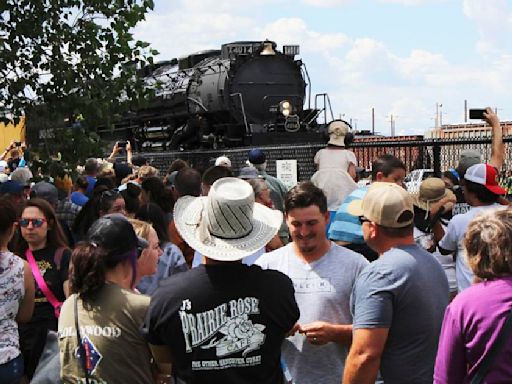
115 234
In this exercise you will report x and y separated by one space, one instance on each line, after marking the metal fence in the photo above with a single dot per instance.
435 154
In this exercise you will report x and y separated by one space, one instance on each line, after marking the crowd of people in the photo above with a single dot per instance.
226 276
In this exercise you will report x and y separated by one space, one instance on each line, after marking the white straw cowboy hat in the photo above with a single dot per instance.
226 225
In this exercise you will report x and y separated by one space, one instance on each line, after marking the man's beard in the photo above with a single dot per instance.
306 248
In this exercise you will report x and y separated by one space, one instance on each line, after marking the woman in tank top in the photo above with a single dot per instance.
16 298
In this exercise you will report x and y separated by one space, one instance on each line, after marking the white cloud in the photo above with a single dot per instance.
190 32
358 72
327 3
295 31
411 2
493 19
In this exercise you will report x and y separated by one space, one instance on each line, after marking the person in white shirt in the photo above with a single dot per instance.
482 192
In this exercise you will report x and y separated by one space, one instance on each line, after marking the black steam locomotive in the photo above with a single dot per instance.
245 93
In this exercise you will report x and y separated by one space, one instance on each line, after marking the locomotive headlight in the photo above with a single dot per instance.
285 107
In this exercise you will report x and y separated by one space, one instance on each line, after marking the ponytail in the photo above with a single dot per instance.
89 265
88 270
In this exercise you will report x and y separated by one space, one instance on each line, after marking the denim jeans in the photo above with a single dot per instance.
12 371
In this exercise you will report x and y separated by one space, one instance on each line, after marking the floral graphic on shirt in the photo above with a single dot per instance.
44 266
240 335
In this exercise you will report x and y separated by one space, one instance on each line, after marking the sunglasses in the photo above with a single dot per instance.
363 219
36 223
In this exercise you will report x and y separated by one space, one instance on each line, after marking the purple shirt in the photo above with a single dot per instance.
471 324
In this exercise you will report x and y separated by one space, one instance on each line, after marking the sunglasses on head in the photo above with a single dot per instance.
363 219
36 223
109 194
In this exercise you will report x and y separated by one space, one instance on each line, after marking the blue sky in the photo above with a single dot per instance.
399 56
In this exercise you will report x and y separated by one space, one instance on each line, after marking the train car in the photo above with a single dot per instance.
246 93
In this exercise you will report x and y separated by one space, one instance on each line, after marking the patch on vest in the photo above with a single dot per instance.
93 356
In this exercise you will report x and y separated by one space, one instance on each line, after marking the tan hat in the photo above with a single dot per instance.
385 204
337 131
431 190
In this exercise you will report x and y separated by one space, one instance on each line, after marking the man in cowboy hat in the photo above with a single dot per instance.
398 301
223 322
323 274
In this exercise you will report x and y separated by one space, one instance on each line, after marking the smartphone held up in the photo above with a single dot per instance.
476 114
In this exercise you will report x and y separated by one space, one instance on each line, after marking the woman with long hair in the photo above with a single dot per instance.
104 201
17 298
475 344
109 313
154 191
43 244
171 261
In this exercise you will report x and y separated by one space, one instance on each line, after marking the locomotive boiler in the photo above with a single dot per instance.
245 93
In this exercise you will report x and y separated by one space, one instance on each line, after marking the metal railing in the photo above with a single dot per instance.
416 154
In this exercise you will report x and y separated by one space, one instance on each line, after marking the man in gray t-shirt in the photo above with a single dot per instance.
323 274
398 301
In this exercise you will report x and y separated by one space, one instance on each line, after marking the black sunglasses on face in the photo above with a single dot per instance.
36 223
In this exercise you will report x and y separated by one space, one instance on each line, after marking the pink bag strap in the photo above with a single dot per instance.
36 272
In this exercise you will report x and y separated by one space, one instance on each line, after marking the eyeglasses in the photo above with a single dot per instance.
363 220
36 223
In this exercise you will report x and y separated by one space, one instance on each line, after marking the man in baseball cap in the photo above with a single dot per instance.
257 159
398 301
470 157
482 192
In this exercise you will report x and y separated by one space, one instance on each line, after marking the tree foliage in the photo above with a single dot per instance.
76 57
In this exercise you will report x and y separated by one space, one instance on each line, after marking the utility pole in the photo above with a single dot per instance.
437 115
465 111
373 121
392 125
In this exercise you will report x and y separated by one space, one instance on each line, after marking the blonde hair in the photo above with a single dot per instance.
147 171
488 242
141 228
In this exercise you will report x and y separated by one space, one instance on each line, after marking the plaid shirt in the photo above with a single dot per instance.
67 211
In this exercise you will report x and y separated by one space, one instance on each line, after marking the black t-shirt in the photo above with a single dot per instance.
460 206
54 276
223 323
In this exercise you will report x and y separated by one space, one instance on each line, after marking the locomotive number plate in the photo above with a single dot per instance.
240 49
